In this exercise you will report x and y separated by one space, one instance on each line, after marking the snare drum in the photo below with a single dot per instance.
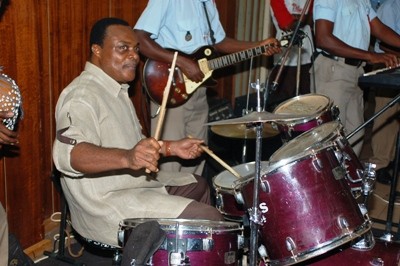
307 205
192 242
226 195
10 100
317 109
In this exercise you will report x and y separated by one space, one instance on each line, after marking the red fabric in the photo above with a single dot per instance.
281 13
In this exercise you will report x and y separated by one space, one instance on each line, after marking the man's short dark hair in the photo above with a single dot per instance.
99 29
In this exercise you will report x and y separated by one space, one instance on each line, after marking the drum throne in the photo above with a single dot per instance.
90 245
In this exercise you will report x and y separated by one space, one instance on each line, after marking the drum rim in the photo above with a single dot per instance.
308 117
201 225
322 144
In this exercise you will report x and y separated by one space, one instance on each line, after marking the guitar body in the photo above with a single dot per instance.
155 77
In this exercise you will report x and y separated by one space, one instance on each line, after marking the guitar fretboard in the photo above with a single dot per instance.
234 58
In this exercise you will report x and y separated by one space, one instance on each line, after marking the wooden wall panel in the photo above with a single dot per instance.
44 45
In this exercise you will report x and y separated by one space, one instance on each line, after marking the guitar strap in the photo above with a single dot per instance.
209 24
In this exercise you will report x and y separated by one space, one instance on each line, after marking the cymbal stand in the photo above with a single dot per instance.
298 68
255 214
246 112
295 38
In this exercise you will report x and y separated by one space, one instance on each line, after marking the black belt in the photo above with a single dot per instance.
347 61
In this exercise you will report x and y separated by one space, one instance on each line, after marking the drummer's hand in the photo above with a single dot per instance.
187 148
7 136
145 154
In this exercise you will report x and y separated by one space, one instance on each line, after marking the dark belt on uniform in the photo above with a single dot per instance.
347 61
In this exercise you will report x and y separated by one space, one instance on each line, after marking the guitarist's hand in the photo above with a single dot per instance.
190 68
273 46
187 148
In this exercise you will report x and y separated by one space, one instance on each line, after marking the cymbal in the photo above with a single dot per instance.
241 131
258 117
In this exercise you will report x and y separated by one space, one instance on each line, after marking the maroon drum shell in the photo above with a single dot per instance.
304 203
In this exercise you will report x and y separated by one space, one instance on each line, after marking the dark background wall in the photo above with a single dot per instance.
44 45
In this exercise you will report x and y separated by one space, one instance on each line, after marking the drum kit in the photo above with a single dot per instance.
305 205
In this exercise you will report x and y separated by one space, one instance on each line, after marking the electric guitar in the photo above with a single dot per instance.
155 73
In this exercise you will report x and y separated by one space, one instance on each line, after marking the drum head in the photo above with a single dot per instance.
314 139
226 179
308 105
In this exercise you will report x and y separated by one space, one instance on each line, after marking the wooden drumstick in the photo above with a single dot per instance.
212 154
165 98
164 101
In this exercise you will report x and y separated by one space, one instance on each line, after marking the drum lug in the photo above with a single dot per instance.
290 130
240 241
343 223
335 112
264 184
219 201
239 197
317 163
377 262
291 246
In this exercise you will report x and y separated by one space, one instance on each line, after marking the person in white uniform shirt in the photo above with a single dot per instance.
342 36
383 141
186 26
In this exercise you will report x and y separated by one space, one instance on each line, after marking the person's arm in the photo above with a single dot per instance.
91 159
385 33
325 40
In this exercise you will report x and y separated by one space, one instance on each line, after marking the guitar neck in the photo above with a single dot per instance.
234 58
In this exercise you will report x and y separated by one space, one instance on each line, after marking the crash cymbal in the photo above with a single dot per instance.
242 131
258 117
